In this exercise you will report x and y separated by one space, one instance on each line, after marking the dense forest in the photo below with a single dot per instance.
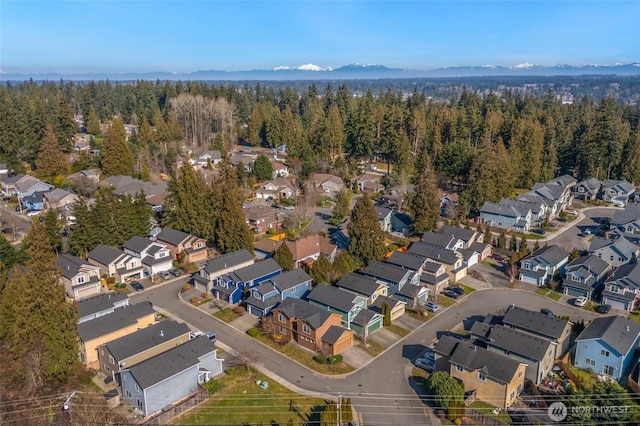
487 142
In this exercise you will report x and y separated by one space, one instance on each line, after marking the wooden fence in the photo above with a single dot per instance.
479 418
167 415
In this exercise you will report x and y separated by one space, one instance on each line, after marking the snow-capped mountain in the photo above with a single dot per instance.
305 67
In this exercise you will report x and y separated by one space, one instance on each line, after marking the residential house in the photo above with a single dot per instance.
276 189
311 326
169 377
434 276
453 261
129 350
541 208
533 322
327 184
584 276
100 305
554 197
35 201
467 236
368 183
8 184
537 353
82 142
203 160
627 223
384 217
4 170
127 185
116 263
444 241
366 322
407 261
448 203
263 218
622 288
80 278
279 169
401 223
513 216
93 175
608 346
26 186
59 198
541 266
194 249
154 257
305 250
588 190
495 378
204 279
412 295
122 321
396 306
394 277
231 287
244 159
294 284
616 252
363 285
568 182
617 191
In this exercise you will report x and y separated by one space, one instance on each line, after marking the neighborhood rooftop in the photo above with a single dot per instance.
332 296
534 321
121 317
618 332
498 367
296 308
146 338
359 284
94 304
228 260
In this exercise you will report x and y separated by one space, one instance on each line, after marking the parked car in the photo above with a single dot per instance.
603 309
457 290
450 294
137 286
572 212
195 334
547 312
580 301
269 199
33 213
431 307
539 231
176 272
211 336
425 363
164 275
499 257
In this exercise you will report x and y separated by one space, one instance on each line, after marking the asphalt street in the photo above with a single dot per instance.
381 391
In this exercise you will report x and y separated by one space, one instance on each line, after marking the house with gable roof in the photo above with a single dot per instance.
452 260
80 278
116 263
231 286
622 288
626 223
588 189
363 285
328 184
294 284
617 191
396 306
394 277
368 183
616 252
533 322
263 218
163 380
509 216
193 248
100 305
540 266
204 279
202 160
155 257
384 217
279 187
608 346
305 250
26 186
59 198
584 276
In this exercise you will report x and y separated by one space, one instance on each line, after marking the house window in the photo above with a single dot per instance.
137 388
106 368
608 370
281 318
604 353
306 329
574 278
283 330
520 373
513 395
127 393
459 368
482 376
102 352
111 360
133 265
162 254
80 279
590 362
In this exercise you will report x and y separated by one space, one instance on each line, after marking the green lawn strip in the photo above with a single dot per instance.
486 263
242 401
467 289
587 378
487 410
634 316
542 290
445 302
305 358
396 329
372 347
226 315
554 295
416 315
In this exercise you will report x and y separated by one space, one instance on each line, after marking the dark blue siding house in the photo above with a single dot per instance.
295 284
231 287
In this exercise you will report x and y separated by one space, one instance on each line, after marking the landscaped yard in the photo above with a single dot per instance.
488 410
444 301
241 401
635 316
416 315
551 294
372 347
587 378
226 315
397 330
467 289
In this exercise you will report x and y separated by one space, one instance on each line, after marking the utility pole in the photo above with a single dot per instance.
339 412
66 407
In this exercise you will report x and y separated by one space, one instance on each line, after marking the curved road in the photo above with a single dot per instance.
381 391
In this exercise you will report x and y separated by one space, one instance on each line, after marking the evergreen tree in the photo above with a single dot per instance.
322 270
53 229
513 244
342 203
366 239
386 313
117 158
488 236
284 257
51 161
502 240
232 232
536 245
262 168
344 263
38 337
93 122
9 256
425 204
83 238
64 124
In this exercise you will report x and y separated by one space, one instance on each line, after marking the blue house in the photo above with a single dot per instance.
608 346
161 381
508 214
231 287
295 284
35 201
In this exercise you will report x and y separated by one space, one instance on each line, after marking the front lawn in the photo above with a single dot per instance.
416 315
488 410
372 347
634 316
226 315
396 329
467 289
551 294
444 301
587 377
240 401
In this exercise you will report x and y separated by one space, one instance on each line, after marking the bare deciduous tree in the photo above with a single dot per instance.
202 119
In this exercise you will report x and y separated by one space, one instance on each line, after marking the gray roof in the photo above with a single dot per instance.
172 236
534 322
296 308
98 303
630 214
228 260
257 270
290 279
512 340
358 283
627 276
391 302
620 184
618 332
382 212
620 245
406 260
137 244
445 345
590 263
146 338
9 180
463 234
495 366
333 333
438 240
550 191
333 297
433 279
70 265
502 210
263 304
434 253
171 362
119 318
431 267
592 185
410 291
364 317
58 194
105 254
564 180
386 271
547 256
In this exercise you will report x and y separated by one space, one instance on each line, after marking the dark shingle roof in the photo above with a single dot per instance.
172 236
434 253
228 260
618 332
380 300
438 240
495 366
257 270
358 283
146 338
70 265
461 233
119 318
591 263
386 271
290 279
406 260
433 279
445 345
98 303
296 308
534 322
333 334
171 362
332 296
137 244
364 317
512 340
547 255
105 254
630 213
410 291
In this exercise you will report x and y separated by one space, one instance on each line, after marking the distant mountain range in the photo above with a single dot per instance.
348 72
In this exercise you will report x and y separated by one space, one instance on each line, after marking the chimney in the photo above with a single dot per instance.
161 333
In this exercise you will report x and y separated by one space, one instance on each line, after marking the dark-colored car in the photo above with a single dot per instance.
450 294
457 290
603 309
137 286
547 312
175 272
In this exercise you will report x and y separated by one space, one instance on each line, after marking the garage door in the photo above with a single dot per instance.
617 303
577 292
255 311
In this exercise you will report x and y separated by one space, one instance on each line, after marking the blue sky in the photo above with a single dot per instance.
184 36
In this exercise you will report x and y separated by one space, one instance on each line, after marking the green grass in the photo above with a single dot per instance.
241 401
635 316
467 289
487 409
444 301
226 315
416 315
587 378
551 294
486 263
372 347
396 329
305 358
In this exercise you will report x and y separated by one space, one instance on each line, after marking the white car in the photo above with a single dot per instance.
572 212
33 213
580 301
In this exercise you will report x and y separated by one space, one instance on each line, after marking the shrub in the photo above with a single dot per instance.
204 295
212 386
186 287
195 299
320 359
334 359
121 285
239 310
253 331
112 280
